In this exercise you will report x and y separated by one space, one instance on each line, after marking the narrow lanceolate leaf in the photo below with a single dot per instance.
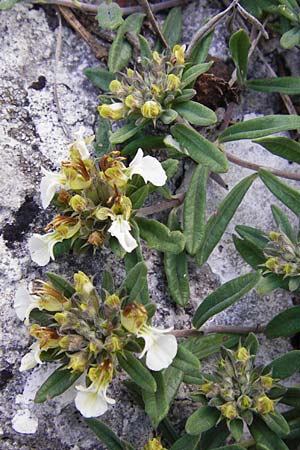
107 436
195 113
284 366
201 49
264 437
60 284
285 193
58 382
139 196
239 45
203 346
171 29
202 420
200 149
292 398
145 142
126 132
249 252
218 222
270 282
187 441
135 281
102 144
263 126
281 146
284 85
156 404
120 51
283 222
254 235
137 371
284 324
107 284
99 77
191 74
172 380
186 361
159 237
224 296
176 268
194 210
277 423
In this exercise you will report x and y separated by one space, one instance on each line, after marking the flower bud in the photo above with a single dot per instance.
272 264
133 102
228 410
113 344
155 90
274 236
115 87
178 54
63 197
133 317
154 444
102 373
242 354
96 238
245 402
264 405
266 381
71 342
151 109
130 73
115 111
156 57
78 362
173 82
78 203
113 301
206 388
83 284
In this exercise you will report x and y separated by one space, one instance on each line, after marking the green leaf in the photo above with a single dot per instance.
251 342
249 252
172 380
218 222
283 223
195 113
58 382
270 282
126 132
262 126
285 193
176 268
225 296
236 429
100 78
284 366
290 38
156 404
264 437
167 430
139 196
102 144
107 284
277 423
146 142
284 324
239 45
43 318
170 166
145 48
171 29
186 361
107 436
109 15
284 85
200 149
202 420
229 447
203 346
214 437
169 116
187 94
191 74
159 237
194 208
120 51
135 281
292 397
137 371
201 49
281 146
5 5
60 284
253 235
186 442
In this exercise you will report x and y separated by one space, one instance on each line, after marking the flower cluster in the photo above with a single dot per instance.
92 201
87 334
238 389
154 444
283 255
148 94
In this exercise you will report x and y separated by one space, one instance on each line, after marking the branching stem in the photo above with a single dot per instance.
230 329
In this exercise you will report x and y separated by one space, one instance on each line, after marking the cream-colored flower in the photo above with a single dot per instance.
49 184
41 247
149 168
31 359
160 347
80 144
24 303
120 229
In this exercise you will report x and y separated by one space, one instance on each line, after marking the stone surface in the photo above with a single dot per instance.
31 137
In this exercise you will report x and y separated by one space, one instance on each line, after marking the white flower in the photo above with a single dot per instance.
93 401
120 228
31 359
160 348
24 303
41 247
49 183
149 168
80 144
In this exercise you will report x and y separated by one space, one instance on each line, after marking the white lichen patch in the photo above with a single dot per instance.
25 422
